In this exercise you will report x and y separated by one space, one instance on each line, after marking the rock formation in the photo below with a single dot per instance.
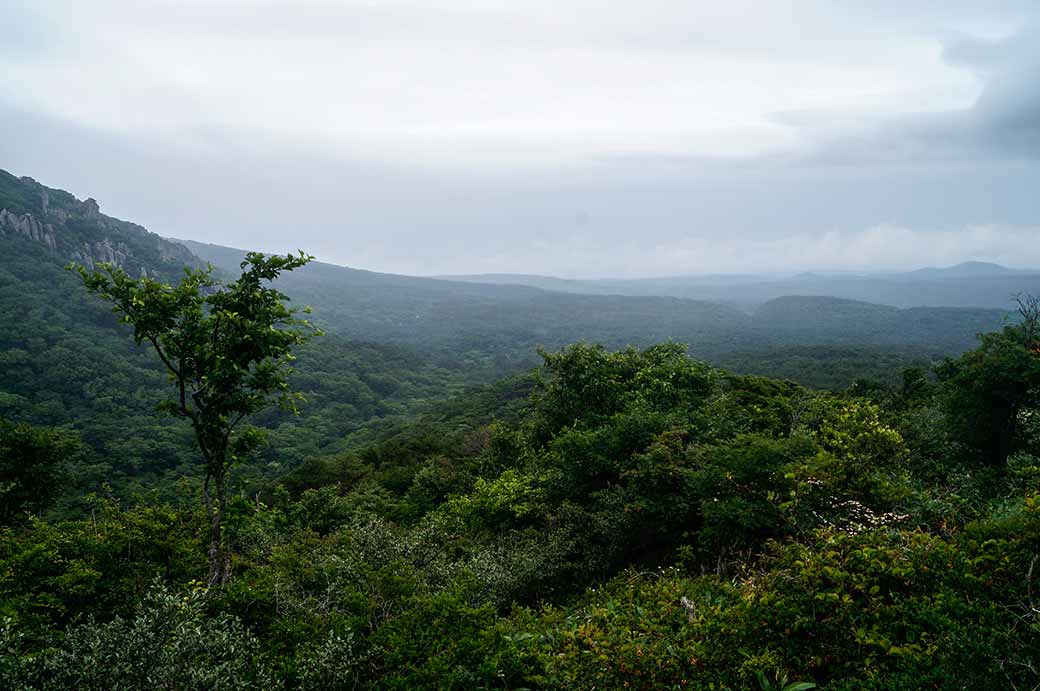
77 231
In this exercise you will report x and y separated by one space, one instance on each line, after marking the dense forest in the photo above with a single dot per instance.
395 346
634 519
820 492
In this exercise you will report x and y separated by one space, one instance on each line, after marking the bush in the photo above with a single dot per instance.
169 643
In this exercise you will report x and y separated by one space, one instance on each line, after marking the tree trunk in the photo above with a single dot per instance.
219 560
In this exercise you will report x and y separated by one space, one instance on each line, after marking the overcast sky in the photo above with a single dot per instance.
564 137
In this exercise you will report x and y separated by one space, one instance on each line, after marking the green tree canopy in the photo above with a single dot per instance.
33 463
989 387
228 349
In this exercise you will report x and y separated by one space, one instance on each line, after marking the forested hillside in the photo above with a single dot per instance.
642 520
394 344
499 326
68 364
494 328
453 508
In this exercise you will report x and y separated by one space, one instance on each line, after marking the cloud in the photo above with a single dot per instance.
504 84
584 139
1002 122
625 216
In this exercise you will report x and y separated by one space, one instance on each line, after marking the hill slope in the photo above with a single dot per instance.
67 229
500 325
67 363
836 321
492 327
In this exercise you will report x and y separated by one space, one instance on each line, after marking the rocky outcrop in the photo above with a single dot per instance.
89 253
29 226
75 230
102 252
90 209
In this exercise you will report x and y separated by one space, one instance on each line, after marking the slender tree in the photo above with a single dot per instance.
228 349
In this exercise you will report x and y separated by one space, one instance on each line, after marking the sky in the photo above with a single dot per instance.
563 137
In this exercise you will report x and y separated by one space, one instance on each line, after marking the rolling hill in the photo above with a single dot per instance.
499 325
971 284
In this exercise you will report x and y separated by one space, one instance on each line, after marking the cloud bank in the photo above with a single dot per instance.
579 138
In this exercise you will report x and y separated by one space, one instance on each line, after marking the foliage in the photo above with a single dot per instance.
989 387
227 350
52 574
34 463
169 643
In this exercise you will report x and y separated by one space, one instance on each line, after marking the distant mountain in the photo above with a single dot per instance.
497 326
564 285
492 327
964 270
972 284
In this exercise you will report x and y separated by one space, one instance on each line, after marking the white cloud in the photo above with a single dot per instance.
579 137
484 81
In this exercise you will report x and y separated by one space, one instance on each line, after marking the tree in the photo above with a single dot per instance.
32 467
988 388
228 352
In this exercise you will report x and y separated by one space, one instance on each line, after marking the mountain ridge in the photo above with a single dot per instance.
483 314
968 269
969 284
74 230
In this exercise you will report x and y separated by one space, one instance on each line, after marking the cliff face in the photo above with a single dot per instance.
73 230
27 225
